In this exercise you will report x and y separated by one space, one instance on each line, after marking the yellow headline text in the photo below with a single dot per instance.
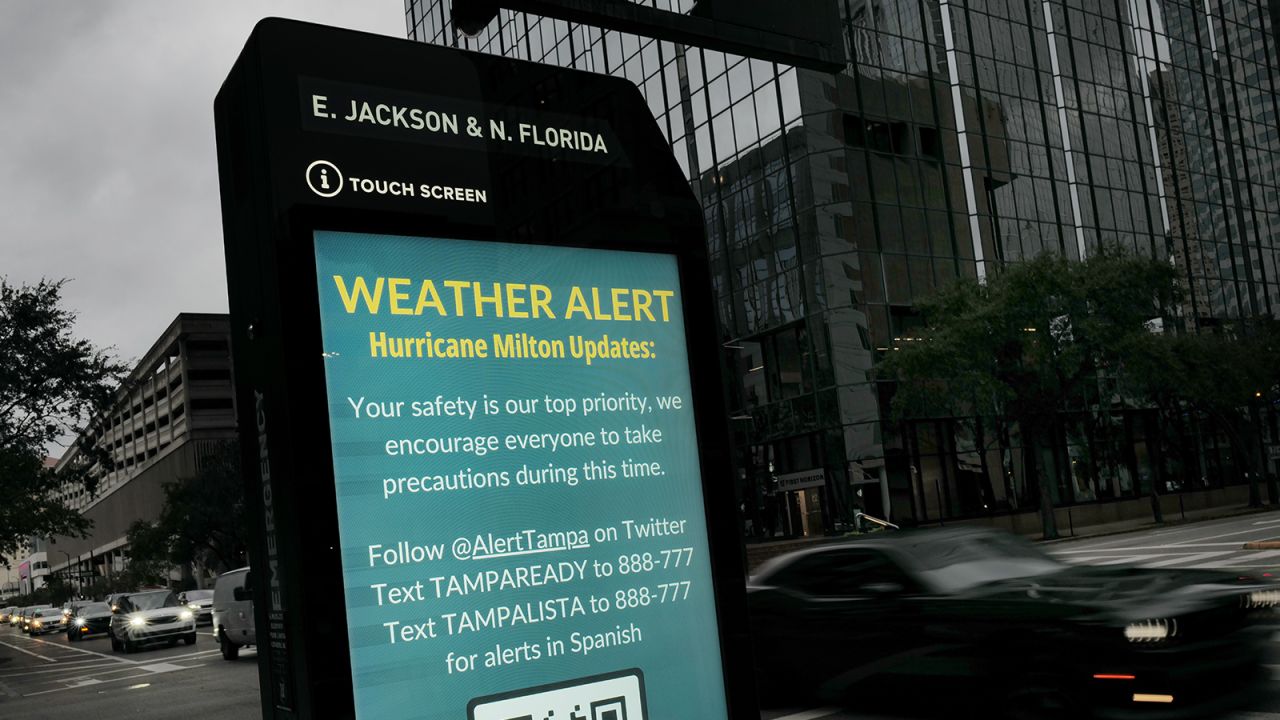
469 298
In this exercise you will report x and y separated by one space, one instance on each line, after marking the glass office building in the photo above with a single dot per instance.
961 136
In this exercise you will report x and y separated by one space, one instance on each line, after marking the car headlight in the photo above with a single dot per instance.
35 623
192 606
1262 599
79 622
1151 630
137 622
185 615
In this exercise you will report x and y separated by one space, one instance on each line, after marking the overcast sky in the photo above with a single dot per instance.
107 168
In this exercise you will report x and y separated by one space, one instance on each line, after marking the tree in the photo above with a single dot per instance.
1027 345
1222 375
51 385
203 521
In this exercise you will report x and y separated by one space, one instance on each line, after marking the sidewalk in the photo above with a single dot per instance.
1130 526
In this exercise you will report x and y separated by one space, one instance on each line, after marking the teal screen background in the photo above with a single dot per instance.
679 655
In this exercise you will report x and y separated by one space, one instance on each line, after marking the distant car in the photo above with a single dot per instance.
980 615
233 612
88 618
146 617
7 613
44 620
24 616
200 602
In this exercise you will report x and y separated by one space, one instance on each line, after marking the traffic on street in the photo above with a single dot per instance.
49 677
1147 574
640 360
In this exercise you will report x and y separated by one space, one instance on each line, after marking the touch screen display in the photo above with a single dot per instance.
519 496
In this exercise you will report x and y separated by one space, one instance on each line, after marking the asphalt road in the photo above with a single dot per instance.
47 678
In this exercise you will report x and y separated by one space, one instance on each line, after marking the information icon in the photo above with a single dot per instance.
324 178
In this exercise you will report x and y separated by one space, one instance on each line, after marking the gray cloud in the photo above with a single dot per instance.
107 168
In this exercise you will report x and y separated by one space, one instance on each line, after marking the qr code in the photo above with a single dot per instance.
607 709
615 696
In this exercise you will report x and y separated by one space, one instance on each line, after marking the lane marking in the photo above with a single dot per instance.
199 653
161 667
8 691
60 669
80 650
104 682
28 652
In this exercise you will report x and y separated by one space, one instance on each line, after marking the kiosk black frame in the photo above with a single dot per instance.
634 199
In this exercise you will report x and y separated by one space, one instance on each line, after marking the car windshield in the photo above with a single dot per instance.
952 564
47 612
98 607
194 595
152 600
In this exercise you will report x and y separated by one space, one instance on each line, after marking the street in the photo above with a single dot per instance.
49 678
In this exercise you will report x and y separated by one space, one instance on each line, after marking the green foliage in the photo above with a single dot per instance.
1224 376
1029 343
51 384
1026 342
203 521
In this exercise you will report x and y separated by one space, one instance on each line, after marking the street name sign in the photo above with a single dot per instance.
477 390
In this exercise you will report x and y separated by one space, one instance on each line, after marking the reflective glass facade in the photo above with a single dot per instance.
962 136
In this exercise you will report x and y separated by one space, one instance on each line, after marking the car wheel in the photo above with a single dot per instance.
230 651
172 642
130 646
190 638
115 644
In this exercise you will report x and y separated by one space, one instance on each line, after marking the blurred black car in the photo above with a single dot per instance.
88 619
980 619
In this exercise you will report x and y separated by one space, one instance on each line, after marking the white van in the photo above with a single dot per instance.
233 612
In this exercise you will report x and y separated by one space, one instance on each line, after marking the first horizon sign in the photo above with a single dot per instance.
477 390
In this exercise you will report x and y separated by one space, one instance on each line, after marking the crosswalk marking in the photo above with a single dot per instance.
1178 547
1178 558
1241 558
1126 560
1194 557
28 652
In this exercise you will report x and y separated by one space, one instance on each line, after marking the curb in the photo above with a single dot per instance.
1262 545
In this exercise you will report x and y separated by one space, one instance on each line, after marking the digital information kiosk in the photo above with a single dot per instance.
478 391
